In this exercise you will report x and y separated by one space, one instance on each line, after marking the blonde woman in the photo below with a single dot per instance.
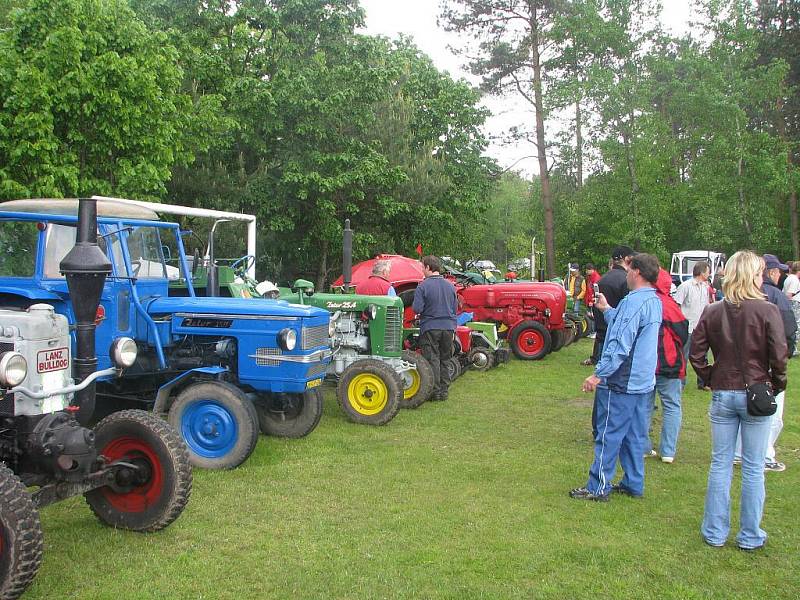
743 330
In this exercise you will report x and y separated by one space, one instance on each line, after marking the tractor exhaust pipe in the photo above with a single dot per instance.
85 268
347 256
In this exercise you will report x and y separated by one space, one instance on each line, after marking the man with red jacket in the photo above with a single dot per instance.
377 284
670 370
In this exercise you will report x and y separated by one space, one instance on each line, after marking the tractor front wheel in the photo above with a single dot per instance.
453 367
480 358
289 415
21 539
418 382
218 423
154 494
530 340
369 392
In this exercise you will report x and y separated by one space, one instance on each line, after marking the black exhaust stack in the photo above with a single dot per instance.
347 256
86 269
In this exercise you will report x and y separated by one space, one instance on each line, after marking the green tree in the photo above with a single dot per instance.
91 102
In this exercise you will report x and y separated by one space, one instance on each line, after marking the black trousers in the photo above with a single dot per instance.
437 348
600 328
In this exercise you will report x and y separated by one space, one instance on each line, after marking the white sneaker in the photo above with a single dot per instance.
651 454
668 459
593 335
775 466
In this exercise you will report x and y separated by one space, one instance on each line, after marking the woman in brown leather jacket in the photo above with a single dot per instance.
745 330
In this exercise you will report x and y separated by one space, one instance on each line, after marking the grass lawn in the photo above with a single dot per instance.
459 499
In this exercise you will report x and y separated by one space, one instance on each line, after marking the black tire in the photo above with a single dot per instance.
218 423
417 383
289 415
136 436
21 539
363 381
530 340
558 337
453 369
480 359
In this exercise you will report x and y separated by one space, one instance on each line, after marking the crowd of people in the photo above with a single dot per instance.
648 331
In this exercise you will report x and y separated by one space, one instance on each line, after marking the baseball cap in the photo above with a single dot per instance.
621 252
573 266
772 262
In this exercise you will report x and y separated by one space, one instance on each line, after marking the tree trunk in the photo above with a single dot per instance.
781 127
541 149
322 271
739 187
578 144
626 139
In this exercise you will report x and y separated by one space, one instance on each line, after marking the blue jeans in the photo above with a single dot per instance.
687 349
576 306
669 390
728 413
621 433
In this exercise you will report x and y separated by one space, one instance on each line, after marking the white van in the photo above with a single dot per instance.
684 262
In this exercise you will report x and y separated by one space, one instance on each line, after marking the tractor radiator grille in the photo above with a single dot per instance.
313 337
316 370
263 354
394 329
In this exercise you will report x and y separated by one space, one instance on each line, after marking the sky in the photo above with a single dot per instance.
417 18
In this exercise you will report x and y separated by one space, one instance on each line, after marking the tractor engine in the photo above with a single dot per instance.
350 339
40 436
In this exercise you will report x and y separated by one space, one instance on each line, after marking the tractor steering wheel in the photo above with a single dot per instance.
244 264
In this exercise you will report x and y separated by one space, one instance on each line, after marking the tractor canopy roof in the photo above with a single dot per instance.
69 206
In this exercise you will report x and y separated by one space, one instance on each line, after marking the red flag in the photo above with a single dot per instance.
419 249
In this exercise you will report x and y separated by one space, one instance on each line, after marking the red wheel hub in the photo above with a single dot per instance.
530 341
142 497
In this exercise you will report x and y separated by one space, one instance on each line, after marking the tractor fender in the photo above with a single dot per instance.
161 406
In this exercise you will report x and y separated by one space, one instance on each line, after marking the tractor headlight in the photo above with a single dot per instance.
332 324
13 369
123 352
371 312
287 338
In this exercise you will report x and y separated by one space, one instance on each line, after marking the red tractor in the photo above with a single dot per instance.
529 313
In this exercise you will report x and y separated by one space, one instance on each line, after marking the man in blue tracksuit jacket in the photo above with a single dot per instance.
623 381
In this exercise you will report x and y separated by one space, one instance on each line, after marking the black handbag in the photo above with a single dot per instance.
760 397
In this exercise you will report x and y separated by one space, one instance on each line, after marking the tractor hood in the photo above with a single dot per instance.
231 306
334 302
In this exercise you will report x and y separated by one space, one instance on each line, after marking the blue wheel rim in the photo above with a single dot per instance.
209 429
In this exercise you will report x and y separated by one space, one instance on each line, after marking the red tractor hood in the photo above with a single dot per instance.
405 272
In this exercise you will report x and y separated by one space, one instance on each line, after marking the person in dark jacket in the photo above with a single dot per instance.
746 335
670 370
614 287
435 303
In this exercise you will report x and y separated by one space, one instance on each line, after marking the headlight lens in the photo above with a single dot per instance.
287 338
123 352
371 312
13 369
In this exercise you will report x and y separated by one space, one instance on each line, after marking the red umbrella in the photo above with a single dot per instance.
405 272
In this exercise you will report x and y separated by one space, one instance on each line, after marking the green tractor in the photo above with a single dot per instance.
375 375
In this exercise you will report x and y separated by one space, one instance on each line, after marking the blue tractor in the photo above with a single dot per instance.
218 368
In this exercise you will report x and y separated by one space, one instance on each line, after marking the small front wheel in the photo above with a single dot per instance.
289 415
530 340
480 358
218 423
21 539
154 493
369 392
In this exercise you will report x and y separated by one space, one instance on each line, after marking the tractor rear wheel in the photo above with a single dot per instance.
418 382
152 496
21 539
289 415
369 392
480 358
530 340
218 423
584 328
